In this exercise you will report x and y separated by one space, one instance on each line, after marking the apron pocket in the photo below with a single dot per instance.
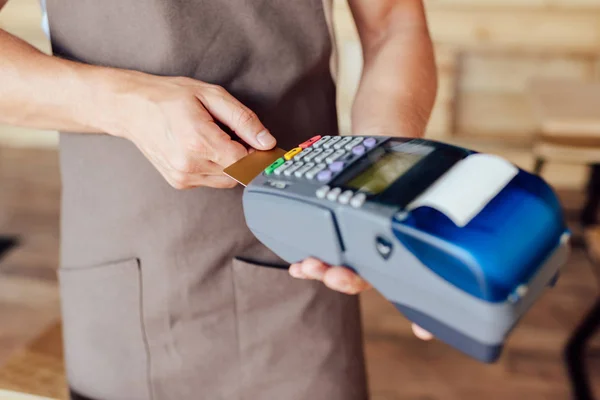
105 346
297 328
258 284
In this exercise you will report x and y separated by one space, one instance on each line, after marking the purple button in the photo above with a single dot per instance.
324 176
336 166
370 142
359 150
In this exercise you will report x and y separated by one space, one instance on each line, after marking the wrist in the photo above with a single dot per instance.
390 117
103 89
109 93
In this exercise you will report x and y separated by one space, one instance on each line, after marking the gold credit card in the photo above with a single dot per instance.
249 167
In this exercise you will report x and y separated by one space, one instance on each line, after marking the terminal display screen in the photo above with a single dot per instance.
384 172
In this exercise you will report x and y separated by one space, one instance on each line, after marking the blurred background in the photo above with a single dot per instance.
517 78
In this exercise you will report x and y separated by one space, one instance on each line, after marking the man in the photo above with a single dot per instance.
165 292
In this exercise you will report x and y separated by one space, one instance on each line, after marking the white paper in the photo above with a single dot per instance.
467 187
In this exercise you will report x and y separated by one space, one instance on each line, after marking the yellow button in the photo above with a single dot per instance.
290 154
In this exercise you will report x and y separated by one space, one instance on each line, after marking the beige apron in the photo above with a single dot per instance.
162 293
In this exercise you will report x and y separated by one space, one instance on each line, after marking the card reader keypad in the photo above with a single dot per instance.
315 171
293 168
332 141
332 153
335 156
353 143
355 200
323 155
304 153
282 168
320 159
311 156
304 169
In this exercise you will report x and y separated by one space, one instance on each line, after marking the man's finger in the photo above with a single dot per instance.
189 181
340 279
219 182
314 269
239 118
296 271
221 149
344 280
421 333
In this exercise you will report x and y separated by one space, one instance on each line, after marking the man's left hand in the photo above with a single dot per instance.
340 279
337 278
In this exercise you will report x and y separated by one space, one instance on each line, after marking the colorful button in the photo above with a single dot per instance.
290 154
337 166
278 163
310 142
324 175
370 143
359 150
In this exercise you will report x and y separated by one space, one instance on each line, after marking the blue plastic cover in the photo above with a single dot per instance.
501 248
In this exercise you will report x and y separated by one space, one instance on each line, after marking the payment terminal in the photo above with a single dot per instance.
462 243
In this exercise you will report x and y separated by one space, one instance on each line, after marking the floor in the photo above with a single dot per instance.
400 366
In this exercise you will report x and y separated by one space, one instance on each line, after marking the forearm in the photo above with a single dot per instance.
46 92
399 81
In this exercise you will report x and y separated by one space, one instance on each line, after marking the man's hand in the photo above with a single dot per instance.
337 278
399 80
173 121
395 97
340 279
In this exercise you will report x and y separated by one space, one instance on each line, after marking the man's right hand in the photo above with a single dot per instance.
173 122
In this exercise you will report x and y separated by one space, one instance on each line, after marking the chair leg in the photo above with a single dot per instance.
590 210
574 354
7 243
538 166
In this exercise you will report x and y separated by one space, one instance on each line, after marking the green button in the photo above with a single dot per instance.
274 166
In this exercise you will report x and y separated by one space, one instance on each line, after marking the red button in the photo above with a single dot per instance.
310 142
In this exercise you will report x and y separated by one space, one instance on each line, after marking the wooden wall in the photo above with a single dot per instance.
23 18
488 51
